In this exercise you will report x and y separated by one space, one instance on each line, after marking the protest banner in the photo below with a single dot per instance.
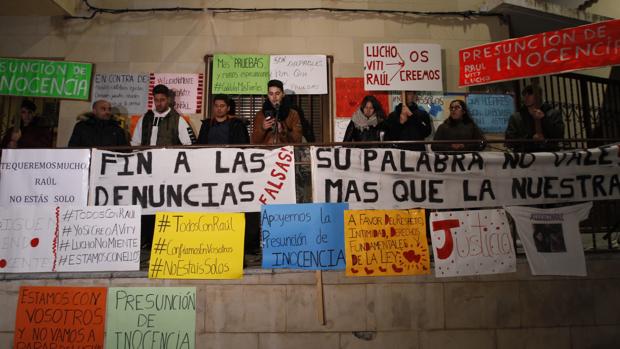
44 177
60 317
300 74
188 91
551 238
26 236
303 236
386 242
393 178
128 92
151 317
97 239
41 78
350 93
221 180
490 111
240 74
402 67
587 46
472 243
197 246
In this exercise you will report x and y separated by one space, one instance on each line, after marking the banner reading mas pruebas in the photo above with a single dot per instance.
41 78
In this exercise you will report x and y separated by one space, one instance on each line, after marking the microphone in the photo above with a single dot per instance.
277 116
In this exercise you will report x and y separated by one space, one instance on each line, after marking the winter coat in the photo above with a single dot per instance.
93 132
290 133
521 126
237 132
38 134
452 129
417 127
363 133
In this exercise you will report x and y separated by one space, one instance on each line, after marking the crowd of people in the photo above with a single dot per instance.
280 121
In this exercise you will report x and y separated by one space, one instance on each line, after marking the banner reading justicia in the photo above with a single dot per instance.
396 179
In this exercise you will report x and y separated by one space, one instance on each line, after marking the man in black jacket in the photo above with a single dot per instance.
98 129
223 127
408 123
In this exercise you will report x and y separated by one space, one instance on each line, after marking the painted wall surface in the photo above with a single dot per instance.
177 42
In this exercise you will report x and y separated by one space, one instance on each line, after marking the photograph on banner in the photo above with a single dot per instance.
206 179
379 178
303 236
197 246
28 236
98 238
128 92
41 78
473 242
402 67
151 317
587 46
30 177
386 242
60 317
300 74
350 93
490 111
240 74
188 90
551 238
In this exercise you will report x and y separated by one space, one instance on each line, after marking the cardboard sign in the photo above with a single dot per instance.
491 112
472 243
301 74
379 178
188 90
207 179
587 46
197 246
303 236
386 242
43 177
27 236
60 317
128 92
402 67
240 74
41 78
151 317
350 93
98 239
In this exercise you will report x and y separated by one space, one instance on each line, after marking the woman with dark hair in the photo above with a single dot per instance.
459 126
367 122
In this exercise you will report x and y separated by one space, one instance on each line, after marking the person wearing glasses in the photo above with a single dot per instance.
459 126
536 121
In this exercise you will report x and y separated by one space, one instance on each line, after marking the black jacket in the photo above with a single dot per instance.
416 128
93 132
237 132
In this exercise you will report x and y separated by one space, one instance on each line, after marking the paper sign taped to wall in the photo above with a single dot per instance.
240 74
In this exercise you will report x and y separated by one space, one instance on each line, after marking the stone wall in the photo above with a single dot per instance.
277 309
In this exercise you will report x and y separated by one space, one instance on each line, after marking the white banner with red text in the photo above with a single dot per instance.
400 179
161 180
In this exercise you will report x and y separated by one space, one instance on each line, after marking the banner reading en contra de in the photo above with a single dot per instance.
396 179
41 78
588 46
164 180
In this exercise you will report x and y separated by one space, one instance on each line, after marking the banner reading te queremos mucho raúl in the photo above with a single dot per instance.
220 180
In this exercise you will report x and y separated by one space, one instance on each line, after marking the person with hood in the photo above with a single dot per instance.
98 128
366 124
223 127
459 126
31 131
537 121
164 125
276 122
408 123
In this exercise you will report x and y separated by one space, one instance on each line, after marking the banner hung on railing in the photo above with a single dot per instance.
394 178
214 180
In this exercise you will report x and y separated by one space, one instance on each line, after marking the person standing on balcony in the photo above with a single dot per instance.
459 126
30 131
367 123
536 121
276 122
223 127
98 128
408 123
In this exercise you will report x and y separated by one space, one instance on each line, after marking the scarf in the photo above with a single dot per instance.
361 122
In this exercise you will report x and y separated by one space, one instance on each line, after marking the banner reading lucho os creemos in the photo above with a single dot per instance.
208 179
587 46
42 78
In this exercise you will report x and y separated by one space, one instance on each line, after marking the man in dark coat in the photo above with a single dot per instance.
98 129
223 127
408 123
